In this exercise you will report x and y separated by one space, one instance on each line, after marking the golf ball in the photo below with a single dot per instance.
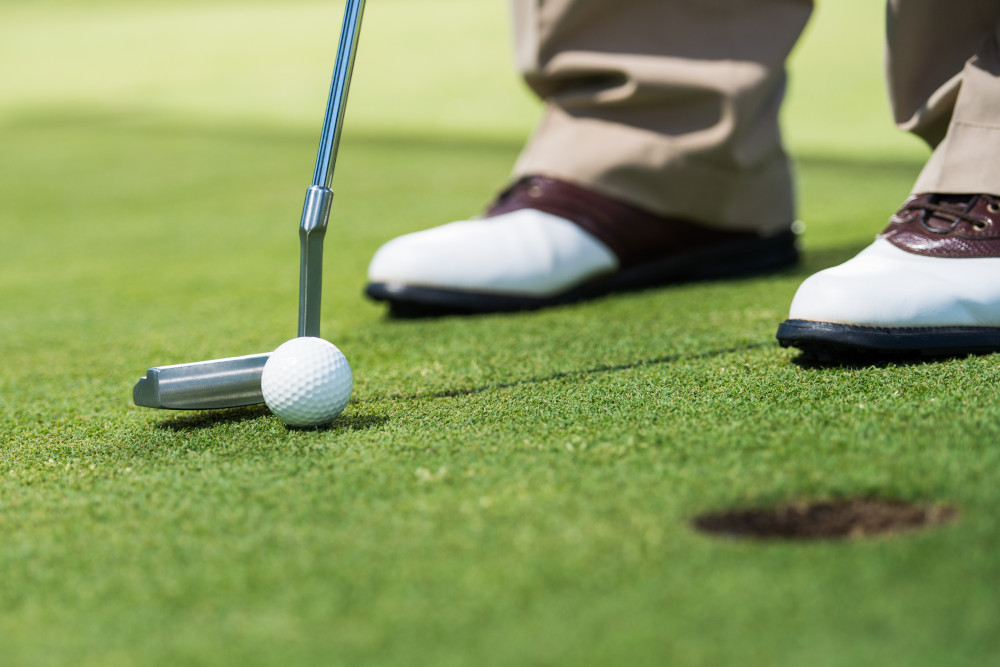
306 382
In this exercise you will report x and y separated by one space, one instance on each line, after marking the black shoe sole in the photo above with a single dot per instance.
827 341
725 261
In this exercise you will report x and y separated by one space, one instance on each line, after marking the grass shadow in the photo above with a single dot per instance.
101 120
209 418
345 423
350 423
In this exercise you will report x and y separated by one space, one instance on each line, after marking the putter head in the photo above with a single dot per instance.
203 385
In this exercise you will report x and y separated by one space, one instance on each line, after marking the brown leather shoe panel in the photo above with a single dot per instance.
633 234
959 226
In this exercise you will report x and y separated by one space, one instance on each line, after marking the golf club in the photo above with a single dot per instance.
235 381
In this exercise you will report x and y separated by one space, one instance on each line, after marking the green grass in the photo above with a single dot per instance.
502 490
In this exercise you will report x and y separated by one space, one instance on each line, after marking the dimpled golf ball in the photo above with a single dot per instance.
306 382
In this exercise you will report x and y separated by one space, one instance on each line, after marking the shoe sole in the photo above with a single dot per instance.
725 261
828 341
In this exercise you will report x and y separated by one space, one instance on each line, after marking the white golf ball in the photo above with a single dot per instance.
306 382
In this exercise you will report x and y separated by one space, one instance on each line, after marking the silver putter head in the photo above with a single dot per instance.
203 385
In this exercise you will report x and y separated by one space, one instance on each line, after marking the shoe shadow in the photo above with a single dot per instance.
870 360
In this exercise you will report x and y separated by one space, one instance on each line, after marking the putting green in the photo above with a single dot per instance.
501 490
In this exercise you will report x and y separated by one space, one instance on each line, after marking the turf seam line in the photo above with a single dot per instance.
656 361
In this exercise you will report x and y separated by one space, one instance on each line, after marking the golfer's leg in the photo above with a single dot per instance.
943 69
671 105
928 283
658 160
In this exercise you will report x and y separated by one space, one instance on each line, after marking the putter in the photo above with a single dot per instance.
235 381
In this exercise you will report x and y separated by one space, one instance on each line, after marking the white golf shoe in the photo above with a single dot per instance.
928 285
526 254
547 242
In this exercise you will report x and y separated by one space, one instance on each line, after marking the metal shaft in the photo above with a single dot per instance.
319 197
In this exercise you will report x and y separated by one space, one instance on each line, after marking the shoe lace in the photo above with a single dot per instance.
956 208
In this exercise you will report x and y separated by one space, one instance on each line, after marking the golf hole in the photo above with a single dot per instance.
834 519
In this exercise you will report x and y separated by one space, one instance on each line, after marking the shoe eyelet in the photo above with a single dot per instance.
993 207
535 191
980 225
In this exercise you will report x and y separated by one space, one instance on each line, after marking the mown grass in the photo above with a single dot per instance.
501 490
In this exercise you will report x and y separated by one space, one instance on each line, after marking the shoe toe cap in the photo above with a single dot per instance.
885 286
524 252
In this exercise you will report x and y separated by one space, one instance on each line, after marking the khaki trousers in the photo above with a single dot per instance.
672 105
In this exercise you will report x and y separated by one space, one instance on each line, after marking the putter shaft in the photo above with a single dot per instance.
319 197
